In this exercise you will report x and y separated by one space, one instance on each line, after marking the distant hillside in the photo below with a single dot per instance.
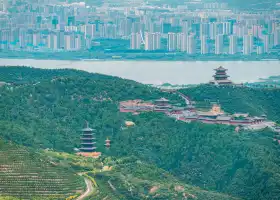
50 112
128 178
28 175
251 4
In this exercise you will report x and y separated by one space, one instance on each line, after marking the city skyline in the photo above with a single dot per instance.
210 28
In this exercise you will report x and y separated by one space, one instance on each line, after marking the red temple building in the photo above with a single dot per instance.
107 143
162 105
221 77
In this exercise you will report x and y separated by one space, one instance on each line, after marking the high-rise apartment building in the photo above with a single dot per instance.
204 29
204 45
191 44
179 41
78 42
36 39
232 44
186 26
22 38
148 41
266 43
172 41
4 38
52 41
90 31
156 41
227 28
135 41
260 49
4 5
276 36
152 41
248 44
69 42
213 30
219 44
184 42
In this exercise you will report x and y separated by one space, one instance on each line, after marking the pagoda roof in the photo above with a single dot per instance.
220 69
224 81
87 143
163 99
92 138
87 129
220 75
87 134
87 148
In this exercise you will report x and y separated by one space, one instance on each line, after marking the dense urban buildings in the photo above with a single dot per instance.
201 28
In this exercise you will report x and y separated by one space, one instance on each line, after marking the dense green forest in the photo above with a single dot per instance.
47 109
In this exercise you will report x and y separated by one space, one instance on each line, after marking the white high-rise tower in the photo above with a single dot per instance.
247 44
219 44
232 44
204 45
4 5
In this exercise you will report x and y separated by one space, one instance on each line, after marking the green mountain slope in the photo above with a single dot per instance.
50 112
128 178
48 108
210 156
26 174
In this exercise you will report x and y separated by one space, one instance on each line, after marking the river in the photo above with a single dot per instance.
158 72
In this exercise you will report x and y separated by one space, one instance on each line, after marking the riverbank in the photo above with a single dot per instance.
130 55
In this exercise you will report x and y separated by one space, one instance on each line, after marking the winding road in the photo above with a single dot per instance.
88 191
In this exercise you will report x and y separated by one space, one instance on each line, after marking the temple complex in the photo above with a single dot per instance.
221 77
88 147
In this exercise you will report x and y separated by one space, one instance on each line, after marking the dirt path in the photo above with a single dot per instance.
88 191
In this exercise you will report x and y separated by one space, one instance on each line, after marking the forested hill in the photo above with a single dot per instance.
50 111
48 108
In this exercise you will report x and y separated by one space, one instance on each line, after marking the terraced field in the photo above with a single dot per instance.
26 174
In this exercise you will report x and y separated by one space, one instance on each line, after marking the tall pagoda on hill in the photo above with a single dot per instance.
88 143
221 77
87 140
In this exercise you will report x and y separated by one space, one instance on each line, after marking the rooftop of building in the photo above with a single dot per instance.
136 102
221 81
220 69
223 118
162 100
221 75
87 129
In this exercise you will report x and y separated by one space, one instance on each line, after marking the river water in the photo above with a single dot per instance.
158 72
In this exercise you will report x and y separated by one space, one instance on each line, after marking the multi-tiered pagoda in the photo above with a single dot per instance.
88 143
87 140
221 77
